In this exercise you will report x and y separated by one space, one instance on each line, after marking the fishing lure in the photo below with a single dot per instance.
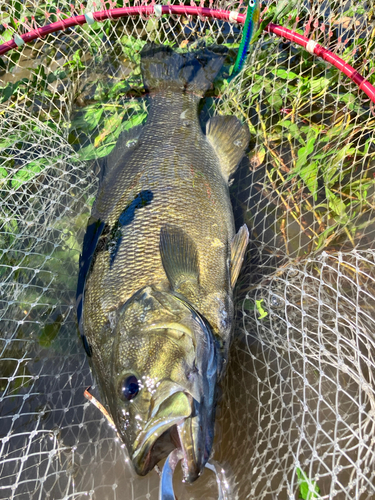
251 23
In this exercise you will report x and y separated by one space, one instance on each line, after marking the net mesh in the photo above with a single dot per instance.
296 415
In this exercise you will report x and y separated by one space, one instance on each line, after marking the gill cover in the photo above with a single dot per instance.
169 347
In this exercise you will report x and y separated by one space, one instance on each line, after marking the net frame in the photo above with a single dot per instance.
183 10
267 283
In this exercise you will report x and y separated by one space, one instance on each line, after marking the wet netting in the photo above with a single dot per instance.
296 415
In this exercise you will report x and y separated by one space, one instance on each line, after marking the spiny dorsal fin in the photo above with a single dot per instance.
179 256
229 138
238 249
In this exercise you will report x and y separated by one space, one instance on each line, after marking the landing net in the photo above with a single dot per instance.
296 418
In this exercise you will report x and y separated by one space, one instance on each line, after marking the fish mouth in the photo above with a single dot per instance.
174 425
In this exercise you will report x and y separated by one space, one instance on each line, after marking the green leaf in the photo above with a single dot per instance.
309 175
352 101
131 48
119 88
75 62
275 100
7 141
368 144
354 10
333 170
95 38
107 138
91 152
319 84
7 35
56 75
275 14
4 18
324 235
93 116
7 91
134 121
283 7
29 171
337 206
11 226
248 305
337 130
293 129
360 188
305 151
17 6
308 489
285 75
111 127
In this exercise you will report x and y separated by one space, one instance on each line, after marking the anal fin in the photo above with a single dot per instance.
238 249
229 138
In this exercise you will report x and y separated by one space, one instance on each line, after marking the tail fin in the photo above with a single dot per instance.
164 69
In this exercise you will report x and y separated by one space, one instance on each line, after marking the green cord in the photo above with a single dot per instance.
251 22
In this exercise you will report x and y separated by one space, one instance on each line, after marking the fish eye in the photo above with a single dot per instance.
252 3
129 387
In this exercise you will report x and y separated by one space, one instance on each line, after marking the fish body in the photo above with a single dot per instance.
159 261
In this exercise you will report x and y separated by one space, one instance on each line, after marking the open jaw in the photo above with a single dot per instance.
173 426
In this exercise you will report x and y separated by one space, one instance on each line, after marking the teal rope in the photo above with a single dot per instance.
251 22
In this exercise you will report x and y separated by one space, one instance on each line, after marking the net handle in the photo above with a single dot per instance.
224 15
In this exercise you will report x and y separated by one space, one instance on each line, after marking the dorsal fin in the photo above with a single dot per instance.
229 138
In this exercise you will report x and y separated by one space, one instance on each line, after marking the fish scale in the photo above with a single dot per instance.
189 191
159 262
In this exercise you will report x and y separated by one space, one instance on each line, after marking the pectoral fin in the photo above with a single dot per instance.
238 249
179 256
229 138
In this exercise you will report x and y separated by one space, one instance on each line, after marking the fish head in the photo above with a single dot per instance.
164 370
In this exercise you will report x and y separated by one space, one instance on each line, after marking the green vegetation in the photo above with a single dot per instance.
112 112
313 134
308 489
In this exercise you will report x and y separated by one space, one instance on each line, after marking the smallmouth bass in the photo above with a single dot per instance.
159 262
